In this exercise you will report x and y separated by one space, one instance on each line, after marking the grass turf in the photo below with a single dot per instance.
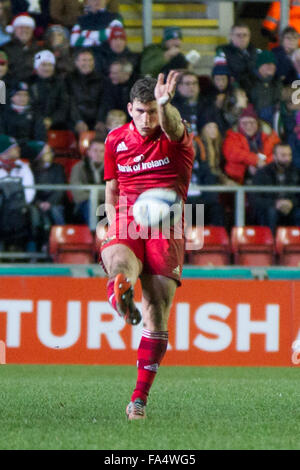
190 408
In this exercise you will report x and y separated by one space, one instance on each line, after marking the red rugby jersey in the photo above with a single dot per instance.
139 163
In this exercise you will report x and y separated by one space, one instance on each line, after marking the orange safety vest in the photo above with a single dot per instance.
272 20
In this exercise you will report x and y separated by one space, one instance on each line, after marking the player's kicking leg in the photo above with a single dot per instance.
123 269
158 294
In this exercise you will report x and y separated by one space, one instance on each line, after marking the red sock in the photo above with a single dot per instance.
111 294
152 349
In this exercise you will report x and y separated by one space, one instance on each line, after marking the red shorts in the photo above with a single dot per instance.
161 253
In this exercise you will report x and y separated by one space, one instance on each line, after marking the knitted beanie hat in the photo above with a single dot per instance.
6 143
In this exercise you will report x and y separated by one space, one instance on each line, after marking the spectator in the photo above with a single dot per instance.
221 85
121 80
294 142
234 104
202 176
49 204
283 55
16 228
239 55
247 148
189 101
166 56
274 209
115 118
65 12
22 48
88 171
12 165
211 152
94 27
48 93
19 120
113 50
57 41
89 100
5 76
38 9
265 93
4 19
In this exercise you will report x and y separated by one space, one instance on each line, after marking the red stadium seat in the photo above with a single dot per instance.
72 244
216 246
287 242
252 246
63 143
84 141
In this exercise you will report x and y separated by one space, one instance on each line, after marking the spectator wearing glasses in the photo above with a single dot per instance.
239 55
248 148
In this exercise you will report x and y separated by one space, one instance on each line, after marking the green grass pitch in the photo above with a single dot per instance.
190 408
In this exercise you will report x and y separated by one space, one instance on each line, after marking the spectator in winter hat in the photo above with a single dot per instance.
48 92
166 56
12 165
113 49
22 47
20 120
265 92
247 148
57 40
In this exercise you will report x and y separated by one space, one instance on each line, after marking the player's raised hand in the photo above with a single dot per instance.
164 91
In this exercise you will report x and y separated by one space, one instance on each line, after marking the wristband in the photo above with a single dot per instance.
163 100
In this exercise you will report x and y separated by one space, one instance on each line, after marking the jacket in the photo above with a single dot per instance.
84 172
267 176
20 58
153 61
54 174
266 96
50 99
241 63
238 155
22 171
89 100
65 12
23 126
272 19
104 56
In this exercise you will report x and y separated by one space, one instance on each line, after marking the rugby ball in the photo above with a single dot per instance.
157 207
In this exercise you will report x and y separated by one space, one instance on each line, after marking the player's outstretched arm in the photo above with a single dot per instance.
169 117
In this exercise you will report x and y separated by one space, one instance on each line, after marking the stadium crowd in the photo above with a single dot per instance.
67 66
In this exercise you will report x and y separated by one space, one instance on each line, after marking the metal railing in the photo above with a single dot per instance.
239 192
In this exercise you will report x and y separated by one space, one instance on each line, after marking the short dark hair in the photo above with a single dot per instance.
239 25
280 144
143 90
288 30
83 50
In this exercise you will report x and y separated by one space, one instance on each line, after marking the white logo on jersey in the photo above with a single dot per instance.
121 147
139 158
